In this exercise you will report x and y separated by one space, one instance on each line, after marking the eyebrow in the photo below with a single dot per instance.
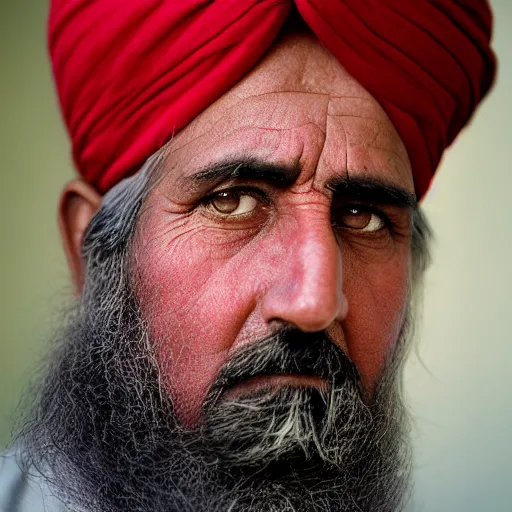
246 169
372 190
360 188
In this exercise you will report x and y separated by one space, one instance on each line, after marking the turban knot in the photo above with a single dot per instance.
130 73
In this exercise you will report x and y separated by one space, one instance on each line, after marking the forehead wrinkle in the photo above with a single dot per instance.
343 164
301 179
380 124
373 137
292 91
253 100
250 100
205 123
373 142
294 158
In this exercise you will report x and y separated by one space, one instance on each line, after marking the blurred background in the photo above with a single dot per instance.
458 384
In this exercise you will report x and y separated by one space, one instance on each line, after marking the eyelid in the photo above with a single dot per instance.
240 189
365 208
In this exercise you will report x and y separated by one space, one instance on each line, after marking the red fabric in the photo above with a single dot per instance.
130 73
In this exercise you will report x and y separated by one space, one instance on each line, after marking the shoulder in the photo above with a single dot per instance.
22 490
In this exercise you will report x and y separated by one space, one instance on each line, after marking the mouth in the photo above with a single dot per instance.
270 383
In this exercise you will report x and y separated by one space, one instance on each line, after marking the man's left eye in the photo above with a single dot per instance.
361 220
232 202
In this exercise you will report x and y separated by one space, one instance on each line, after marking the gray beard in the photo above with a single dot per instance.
104 435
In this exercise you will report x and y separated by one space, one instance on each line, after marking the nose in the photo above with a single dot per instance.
306 290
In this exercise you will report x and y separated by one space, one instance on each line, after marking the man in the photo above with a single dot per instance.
246 246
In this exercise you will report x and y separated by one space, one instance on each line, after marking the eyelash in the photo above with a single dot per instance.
250 191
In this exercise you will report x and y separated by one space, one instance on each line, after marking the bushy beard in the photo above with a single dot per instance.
104 435
315 448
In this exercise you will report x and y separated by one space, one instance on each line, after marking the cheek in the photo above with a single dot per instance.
196 290
377 295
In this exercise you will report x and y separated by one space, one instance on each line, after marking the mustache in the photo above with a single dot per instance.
286 351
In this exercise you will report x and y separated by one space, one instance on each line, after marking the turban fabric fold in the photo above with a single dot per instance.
131 73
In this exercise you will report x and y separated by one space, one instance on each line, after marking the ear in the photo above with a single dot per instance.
78 204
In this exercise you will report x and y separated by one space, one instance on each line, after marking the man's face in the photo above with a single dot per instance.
246 302
269 212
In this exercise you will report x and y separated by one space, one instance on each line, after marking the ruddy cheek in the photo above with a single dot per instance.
377 305
196 293
173 272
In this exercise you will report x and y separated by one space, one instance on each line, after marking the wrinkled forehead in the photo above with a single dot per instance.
298 87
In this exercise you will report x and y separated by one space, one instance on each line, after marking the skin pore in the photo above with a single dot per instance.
286 203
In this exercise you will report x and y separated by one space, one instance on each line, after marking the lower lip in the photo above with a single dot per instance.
272 382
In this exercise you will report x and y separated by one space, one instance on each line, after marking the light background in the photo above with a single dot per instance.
460 393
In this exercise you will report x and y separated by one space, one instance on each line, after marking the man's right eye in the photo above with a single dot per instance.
232 202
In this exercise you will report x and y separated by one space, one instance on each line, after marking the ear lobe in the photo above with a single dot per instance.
78 204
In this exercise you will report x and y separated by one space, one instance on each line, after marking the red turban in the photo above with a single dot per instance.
130 73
